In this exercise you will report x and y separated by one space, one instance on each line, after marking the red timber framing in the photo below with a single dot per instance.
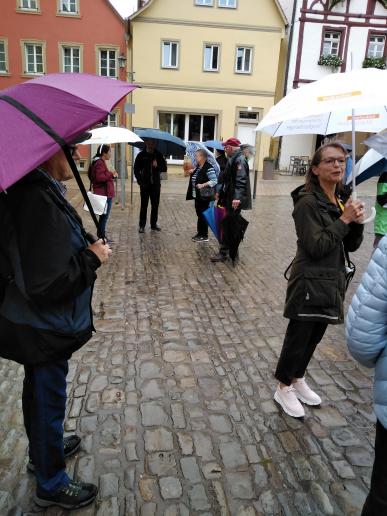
339 22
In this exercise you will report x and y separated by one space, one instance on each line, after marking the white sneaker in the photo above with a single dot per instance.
288 400
305 393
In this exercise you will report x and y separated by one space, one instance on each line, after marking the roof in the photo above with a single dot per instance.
150 2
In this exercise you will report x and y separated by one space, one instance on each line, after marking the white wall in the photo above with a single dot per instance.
299 145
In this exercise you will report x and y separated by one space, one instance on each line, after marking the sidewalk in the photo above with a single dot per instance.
173 395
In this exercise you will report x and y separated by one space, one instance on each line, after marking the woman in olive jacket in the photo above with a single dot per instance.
326 230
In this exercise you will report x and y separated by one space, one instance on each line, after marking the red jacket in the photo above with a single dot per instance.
102 180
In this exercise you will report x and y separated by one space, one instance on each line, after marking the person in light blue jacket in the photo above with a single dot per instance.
366 331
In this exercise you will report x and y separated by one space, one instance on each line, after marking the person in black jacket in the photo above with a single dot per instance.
48 268
148 165
234 191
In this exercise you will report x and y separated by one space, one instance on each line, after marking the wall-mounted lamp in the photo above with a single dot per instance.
121 61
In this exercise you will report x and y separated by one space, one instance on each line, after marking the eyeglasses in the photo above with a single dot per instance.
331 161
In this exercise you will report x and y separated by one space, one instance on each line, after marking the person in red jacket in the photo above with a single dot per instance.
102 182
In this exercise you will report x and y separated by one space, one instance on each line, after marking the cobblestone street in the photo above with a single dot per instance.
173 397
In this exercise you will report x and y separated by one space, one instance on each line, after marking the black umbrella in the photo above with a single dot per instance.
234 227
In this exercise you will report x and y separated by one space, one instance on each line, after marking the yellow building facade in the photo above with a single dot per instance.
207 68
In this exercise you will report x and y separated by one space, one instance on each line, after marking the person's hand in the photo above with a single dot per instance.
353 212
235 203
101 250
114 173
200 186
154 163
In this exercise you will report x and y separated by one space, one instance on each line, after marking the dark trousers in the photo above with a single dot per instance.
44 404
300 341
151 192
202 226
376 502
104 218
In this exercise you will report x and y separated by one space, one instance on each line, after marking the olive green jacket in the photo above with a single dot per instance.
316 285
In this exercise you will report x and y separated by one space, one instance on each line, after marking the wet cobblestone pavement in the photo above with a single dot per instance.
173 395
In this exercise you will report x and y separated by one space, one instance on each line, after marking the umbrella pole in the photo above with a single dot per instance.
122 174
354 192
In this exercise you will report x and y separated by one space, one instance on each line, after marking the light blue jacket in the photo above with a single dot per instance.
366 326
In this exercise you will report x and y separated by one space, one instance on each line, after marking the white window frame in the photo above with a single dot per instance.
332 42
103 49
4 42
243 71
186 126
66 46
34 44
212 46
168 65
28 7
69 3
227 4
378 53
205 3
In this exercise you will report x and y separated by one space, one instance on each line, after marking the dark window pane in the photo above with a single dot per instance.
208 128
215 51
165 122
179 125
194 128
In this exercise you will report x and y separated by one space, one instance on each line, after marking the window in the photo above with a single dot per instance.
113 119
227 3
243 60
376 46
195 127
170 54
108 63
68 6
31 5
3 57
331 43
71 59
33 58
204 2
211 58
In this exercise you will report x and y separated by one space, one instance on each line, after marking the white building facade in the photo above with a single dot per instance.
332 36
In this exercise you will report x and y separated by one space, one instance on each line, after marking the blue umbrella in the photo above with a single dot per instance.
166 143
192 147
209 215
214 144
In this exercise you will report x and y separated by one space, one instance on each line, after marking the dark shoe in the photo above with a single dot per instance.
219 258
156 228
73 496
141 229
71 445
198 238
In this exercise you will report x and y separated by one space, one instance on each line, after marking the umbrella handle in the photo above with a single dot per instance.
371 217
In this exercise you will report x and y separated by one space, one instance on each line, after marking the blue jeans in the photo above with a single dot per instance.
104 218
44 404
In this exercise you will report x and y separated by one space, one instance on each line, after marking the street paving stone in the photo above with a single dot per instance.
173 395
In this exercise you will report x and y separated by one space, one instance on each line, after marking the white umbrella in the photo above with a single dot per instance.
370 165
351 101
111 134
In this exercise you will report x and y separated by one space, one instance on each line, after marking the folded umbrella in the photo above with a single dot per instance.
234 227
166 143
209 215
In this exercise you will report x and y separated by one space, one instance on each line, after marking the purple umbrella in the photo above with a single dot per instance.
39 116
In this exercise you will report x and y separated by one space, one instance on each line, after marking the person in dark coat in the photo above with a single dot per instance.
203 177
326 230
47 272
102 183
234 191
148 166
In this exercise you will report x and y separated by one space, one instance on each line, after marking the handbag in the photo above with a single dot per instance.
98 202
207 193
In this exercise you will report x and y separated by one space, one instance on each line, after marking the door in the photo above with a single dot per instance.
246 135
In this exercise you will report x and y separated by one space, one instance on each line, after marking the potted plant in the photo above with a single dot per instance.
375 62
331 60
268 167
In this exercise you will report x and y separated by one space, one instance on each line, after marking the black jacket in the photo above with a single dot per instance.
236 183
316 285
45 313
146 175
202 177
